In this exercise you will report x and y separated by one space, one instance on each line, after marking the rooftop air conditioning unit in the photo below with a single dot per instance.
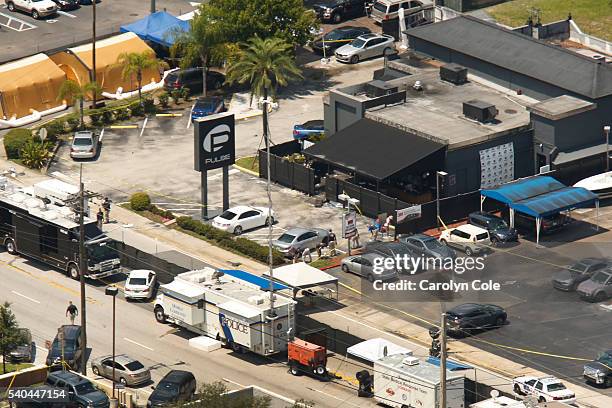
454 73
377 88
478 110
598 57
410 361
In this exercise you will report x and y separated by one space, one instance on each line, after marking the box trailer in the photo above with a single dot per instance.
228 309
404 381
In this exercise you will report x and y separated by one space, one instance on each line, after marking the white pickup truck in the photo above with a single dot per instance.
37 8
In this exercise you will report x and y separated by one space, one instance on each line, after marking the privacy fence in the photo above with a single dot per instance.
285 171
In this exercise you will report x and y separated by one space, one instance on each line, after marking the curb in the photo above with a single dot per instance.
329 267
245 170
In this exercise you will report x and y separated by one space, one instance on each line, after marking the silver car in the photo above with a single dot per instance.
597 288
301 238
128 371
365 46
364 265
84 145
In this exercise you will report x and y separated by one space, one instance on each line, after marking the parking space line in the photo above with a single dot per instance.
22 25
138 344
63 13
144 125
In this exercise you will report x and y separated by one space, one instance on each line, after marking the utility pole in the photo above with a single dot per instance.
93 51
82 270
443 362
152 6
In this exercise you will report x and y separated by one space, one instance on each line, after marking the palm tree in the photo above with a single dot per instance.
71 90
265 64
202 44
134 63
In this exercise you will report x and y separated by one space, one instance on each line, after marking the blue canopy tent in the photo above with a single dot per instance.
539 197
158 27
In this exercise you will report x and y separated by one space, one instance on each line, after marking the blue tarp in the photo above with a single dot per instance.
541 196
263 283
450 364
158 27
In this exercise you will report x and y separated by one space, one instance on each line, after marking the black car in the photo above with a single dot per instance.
569 278
337 38
175 386
600 371
67 4
191 78
549 224
499 231
468 317
339 10
80 389
70 347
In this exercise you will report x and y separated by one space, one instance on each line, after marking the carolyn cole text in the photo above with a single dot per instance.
425 285
411 264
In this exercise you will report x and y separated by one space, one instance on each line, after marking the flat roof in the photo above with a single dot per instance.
561 107
423 370
302 276
436 112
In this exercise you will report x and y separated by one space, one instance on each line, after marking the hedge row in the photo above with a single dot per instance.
14 140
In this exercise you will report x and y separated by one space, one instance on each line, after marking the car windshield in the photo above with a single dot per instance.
286 238
134 366
99 252
498 224
600 277
358 43
335 35
228 215
168 387
206 104
482 236
82 141
605 358
69 346
138 281
578 268
84 388
556 387
432 244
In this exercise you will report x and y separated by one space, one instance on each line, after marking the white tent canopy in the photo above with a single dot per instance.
302 276
374 349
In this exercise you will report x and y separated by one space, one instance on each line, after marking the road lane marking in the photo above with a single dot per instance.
233 382
138 344
42 348
144 125
334 397
63 13
25 297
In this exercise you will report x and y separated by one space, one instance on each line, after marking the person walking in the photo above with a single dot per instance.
106 205
355 238
100 217
332 237
306 254
71 312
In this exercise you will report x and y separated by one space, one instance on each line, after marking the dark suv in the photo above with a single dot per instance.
80 390
176 386
191 78
464 319
600 371
550 223
499 231
72 348
339 10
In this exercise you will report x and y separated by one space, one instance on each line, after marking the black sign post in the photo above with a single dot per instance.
214 147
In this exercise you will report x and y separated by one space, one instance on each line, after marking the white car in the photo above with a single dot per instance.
242 218
140 284
545 389
37 8
468 238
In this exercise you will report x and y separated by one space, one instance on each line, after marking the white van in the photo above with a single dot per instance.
388 9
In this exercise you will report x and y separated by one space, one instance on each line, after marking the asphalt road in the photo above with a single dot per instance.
39 297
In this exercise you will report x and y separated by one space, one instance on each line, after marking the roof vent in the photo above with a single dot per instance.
483 112
454 73
410 361
375 89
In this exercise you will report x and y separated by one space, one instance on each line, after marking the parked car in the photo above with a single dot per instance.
89 2
499 231
599 371
427 246
464 319
391 250
527 224
388 9
598 287
70 347
569 278
25 351
80 389
301 238
207 105
467 238
308 129
545 389
363 265
337 38
128 371
176 386
67 4
84 145
36 8
366 46
338 10
242 218
140 284
191 78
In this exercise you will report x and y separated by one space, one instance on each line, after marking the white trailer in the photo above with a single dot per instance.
228 309
404 381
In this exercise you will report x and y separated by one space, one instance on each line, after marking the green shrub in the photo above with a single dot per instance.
140 201
15 140
149 105
136 109
185 93
55 129
96 118
73 123
176 95
35 154
161 212
163 99
107 117
122 114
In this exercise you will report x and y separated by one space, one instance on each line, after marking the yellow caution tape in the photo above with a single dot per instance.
171 115
123 127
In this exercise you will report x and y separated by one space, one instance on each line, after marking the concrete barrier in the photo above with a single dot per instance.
23 378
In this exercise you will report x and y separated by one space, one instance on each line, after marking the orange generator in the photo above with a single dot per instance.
307 357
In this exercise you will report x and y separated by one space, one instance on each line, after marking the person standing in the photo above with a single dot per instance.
71 312
332 237
100 217
306 255
355 238
106 205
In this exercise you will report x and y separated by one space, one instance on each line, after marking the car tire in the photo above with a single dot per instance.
337 18
10 246
354 59
123 381
443 242
159 314
11 6
344 268
517 390
468 251
238 230
73 271
499 322
95 370
541 400
600 297
269 221
608 382
294 369
370 278
35 15
320 370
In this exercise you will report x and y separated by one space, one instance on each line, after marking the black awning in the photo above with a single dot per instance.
373 149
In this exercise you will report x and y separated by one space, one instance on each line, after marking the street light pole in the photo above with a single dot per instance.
443 362
82 270
607 132
112 291
438 175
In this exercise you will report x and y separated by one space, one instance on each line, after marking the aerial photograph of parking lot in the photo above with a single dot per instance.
305 203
